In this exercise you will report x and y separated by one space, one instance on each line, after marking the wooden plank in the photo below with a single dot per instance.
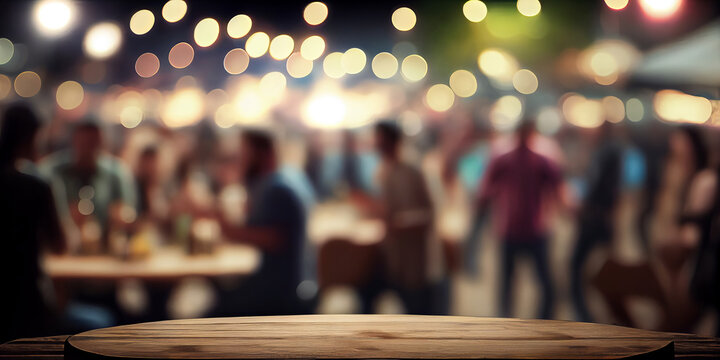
368 337
46 348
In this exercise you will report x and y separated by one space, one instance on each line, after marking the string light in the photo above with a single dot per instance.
142 22
315 13
404 19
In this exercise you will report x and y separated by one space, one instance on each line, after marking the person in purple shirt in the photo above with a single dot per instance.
517 189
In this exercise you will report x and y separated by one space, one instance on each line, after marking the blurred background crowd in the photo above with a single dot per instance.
526 158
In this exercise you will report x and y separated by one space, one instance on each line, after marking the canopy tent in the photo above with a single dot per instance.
693 61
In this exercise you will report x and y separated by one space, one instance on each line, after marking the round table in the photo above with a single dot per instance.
368 337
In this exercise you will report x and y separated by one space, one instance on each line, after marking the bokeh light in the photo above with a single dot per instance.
315 13
147 65
606 61
312 48
5 86
131 116
206 32
102 40
249 106
257 44
53 17
187 81
582 112
474 10
272 85
239 26
27 84
440 97
676 106
353 61
225 116
7 49
142 22
384 65
463 83
603 64
174 10
549 121
298 66
498 65
660 9
411 123
325 111
181 55
634 110
332 65
404 19
281 47
616 4
525 81
414 68
184 107
69 95
506 113
236 61
214 99
614 109
529 7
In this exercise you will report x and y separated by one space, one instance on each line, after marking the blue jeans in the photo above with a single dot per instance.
536 248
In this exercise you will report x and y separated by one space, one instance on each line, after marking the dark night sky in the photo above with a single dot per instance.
442 34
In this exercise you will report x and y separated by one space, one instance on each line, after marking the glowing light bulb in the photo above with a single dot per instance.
102 40
53 17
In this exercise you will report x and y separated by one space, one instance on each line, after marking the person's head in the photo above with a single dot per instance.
388 139
86 144
147 163
17 134
257 154
687 143
525 130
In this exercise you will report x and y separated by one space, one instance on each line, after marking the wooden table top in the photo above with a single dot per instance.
368 337
165 264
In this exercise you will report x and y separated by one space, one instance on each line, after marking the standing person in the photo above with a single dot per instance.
518 187
277 215
412 252
29 223
596 215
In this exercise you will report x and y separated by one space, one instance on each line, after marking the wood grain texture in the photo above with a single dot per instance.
368 337
45 348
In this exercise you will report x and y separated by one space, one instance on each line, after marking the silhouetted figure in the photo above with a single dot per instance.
596 215
277 215
517 188
87 182
412 252
28 223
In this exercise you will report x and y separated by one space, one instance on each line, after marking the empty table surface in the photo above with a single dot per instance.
369 337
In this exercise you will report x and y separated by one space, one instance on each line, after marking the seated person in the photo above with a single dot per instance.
88 184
